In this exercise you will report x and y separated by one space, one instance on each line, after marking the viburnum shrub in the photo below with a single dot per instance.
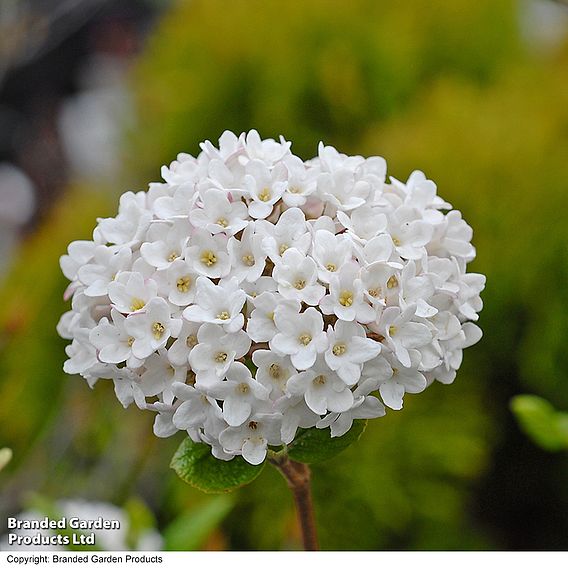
268 306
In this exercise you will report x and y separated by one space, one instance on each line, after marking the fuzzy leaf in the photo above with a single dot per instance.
316 445
541 422
196 466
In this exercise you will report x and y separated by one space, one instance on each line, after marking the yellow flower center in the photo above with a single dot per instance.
339 349
331 267
320 380
374 292
137 304
392 282
158 330
283 249
305 338
220 357
270 316
392 330
346 298
130 341
208 258
172 256
183 284
223 315
248 260
300 284
396 241
243 388
275 371
265 194
222 222
295 189
191 341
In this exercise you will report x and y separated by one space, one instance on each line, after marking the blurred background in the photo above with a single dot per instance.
96 95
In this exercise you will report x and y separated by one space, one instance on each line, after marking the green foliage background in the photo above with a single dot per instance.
447 87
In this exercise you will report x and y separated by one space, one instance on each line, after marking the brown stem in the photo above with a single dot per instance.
298 477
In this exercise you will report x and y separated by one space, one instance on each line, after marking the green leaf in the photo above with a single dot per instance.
541 422
196 466
141 519
190 529
316 445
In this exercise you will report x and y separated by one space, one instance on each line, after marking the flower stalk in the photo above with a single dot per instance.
298 477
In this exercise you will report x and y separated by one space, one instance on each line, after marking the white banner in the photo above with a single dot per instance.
284 559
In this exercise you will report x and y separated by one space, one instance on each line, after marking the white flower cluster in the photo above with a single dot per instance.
253 293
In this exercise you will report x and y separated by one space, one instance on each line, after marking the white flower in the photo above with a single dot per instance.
456 237
181 281
261 326
167 243
209 254
179 352
301 182
107 263
295 414
349 348
164 426
247 257
159 376
322 389
416 290
273 371
402 334
393 379
377 249
330 252
251 439
220 304
113 342
468 300
300 335
291 231
219 214
380 283
346 299
178 205
151 328
452 346
196 409
342 190
409 235
364 223
265 187
364 407
81 352
79 253
296 275
236 260
129 226
254 289
269 151
130 292
215 351
240 393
